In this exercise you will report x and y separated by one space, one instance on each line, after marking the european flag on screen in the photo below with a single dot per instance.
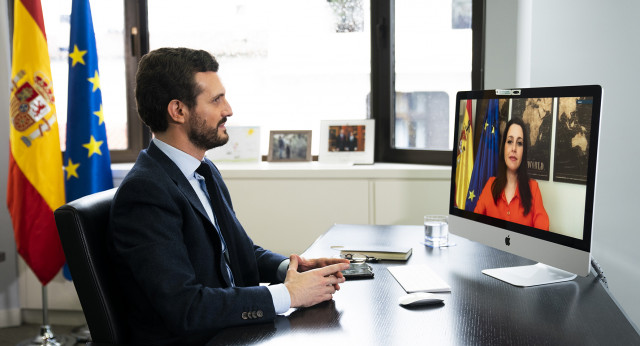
87 162
486 161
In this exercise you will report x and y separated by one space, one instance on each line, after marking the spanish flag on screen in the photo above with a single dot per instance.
464 159
35 184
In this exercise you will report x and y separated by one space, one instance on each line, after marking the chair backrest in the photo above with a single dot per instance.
82 225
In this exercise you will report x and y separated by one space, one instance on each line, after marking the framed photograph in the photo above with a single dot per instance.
243 146
287 146
347 141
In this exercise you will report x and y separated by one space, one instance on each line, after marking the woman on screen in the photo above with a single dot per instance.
512 196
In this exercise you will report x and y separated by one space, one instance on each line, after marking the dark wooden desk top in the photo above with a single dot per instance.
479 310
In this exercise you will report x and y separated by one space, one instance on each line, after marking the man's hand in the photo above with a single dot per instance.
315 285
308 264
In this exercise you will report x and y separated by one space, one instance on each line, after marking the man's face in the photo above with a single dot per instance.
206 120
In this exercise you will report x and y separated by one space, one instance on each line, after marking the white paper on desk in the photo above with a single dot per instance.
419 278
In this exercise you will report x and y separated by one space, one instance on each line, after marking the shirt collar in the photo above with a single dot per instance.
185 162
515 195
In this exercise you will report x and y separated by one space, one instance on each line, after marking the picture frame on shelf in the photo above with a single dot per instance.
289 146
347 141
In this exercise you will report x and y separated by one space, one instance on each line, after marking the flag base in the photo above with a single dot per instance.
47 338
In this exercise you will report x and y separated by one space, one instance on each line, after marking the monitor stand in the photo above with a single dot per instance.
532 275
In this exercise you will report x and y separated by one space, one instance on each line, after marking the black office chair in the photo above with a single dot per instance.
82 225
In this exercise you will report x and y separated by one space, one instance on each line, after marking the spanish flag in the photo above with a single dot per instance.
464 160
35 184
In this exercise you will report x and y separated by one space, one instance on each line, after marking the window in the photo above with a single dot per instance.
421 56
124 130
108 28
433 62
288 64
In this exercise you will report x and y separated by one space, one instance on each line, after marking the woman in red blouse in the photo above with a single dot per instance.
512 196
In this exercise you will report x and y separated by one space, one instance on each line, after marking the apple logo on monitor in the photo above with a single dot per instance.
507 241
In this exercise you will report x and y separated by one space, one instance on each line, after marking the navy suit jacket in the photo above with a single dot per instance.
168 258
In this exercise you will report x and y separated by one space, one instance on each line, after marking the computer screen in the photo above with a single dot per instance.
523 177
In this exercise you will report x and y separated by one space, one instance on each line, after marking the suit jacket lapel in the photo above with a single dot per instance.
185 187
178 178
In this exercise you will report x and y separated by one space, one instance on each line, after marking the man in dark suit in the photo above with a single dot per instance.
353 141
186 264
342 141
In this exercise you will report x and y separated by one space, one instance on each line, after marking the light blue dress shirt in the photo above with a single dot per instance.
188 165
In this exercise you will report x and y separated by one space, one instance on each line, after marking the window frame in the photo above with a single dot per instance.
136 33
383 82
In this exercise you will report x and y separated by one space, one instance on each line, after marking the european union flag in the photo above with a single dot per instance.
87 161
486 162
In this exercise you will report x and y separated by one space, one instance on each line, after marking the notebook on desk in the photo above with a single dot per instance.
419 278
379 252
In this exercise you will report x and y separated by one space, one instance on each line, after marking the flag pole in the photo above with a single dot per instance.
46 336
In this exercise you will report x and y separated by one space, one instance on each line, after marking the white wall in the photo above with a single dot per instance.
575 42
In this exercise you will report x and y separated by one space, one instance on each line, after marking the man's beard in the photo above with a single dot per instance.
203 136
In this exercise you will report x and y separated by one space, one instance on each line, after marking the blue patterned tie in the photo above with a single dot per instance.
208 185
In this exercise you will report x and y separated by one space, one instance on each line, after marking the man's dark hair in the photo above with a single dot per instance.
167 74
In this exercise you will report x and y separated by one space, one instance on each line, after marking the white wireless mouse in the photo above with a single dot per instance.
419 298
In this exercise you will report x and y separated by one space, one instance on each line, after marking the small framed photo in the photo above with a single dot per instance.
287 146
243 146
347 141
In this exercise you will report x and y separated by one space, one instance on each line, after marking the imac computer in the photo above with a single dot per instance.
531 192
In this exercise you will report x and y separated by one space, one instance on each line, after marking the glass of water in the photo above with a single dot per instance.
436 230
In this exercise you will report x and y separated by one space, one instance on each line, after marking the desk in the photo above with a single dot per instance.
479 310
